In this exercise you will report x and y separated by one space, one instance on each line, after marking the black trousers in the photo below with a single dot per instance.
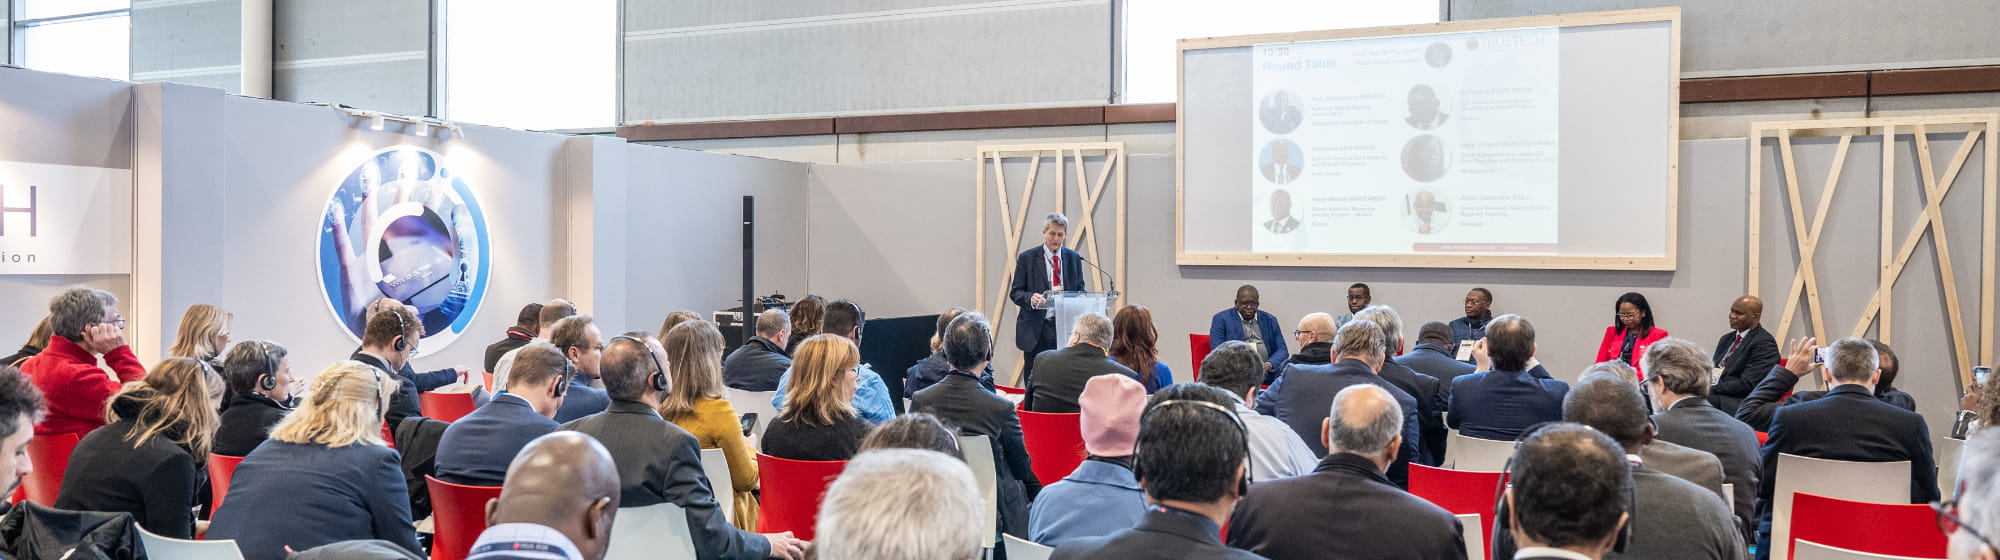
1046 343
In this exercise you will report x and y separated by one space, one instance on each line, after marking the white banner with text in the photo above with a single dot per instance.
64 219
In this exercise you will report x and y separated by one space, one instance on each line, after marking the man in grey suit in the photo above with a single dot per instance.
1679 387
1687 463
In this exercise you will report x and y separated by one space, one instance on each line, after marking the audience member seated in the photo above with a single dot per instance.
1770 396
1568 496
808 319
37 340
1974 511
559 502
387 343
1247 323
959 400
1275 450
144 462
476 449
1847 424
658 462
1679 387
86 325
933 368
1631 331
1302 397
526 327
260 387
325 476
1191 458
817 422
675 319
757 364
203 333
1356 512
697 404
915 430
1743 356
582 344
901 504
1101 496
555 310
1478 313
1693 465
1135 345
1359 297
1432 398
1064 372
417 383
20 405
871 396
1435 355
1501 403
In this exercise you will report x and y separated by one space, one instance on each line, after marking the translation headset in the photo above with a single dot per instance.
269 380
1242 484
402 343
1502 524
658 379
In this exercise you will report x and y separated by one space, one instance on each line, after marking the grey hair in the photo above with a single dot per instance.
1680 365
1389 321
968 340
77 308
1359 337
1055 219
1853 360
772 321
1368 426
1979 502
901 504
1615 368
1093 328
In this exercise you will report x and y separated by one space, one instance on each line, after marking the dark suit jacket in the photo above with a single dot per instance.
1763 404
658 462
155 482
1344 509
1303 397
959 400
1061 374
1695 423
402 404
1434 360
582 399
515 339
303 496
1160 536
246 423
1431 402
1031 276
1849 424
476 449
932 369
1499 405
1746 367
755 366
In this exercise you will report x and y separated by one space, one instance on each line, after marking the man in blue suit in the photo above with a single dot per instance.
1036 272
1304 395
1246 323
476 449
583 345
1500 403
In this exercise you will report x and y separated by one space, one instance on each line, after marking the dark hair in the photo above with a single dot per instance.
843 316
1363 286
1510 340
1637 300
1608 403
1235 366
1570 483
1189 453
571 332
968 340
1434 332
1888 381
248 361
18 396
625 371
530 318
1485 292
1135 343
915 430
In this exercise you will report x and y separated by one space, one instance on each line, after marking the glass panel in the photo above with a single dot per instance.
93 47
1153 26
523 64
38 9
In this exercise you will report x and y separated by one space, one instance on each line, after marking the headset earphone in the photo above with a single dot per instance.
658 380
562 381
401 343
1502 513
269 380
1242 484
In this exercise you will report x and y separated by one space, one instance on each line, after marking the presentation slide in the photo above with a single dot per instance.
1441 143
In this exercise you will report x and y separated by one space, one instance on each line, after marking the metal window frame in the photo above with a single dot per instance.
17 47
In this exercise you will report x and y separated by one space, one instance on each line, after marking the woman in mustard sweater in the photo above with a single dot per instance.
696 404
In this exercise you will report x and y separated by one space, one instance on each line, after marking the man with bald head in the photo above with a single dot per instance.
1357 511
1246 321
558 502
1743 356
1302 396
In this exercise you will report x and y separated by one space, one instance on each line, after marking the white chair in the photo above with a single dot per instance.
1475 454
1948 450
655 532
1020 549
163 548
1475 542
1882 483
715 465
758 402
1809 550
979 456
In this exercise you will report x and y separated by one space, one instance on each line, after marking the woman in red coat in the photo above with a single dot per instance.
1630 333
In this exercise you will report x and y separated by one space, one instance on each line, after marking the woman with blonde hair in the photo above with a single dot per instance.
818 421
808 316
675 319
696 404
204 333
324 476
148 461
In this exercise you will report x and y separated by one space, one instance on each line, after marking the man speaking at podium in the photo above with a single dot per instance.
1044 268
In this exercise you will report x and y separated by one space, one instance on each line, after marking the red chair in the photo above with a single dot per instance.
1459 492
1198 349
460 513
1907 530
220 468
445 407
792 491
388 435
50 457
1054 442
1763 437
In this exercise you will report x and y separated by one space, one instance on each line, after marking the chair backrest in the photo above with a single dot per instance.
1948 450
220 469
715 464
1893 529
487 378
1475 541
1476 454
50 457
460 514
759 402
1459 492
1054 442
445 407
1763 437
164 548
791 492
655 532
1198 350
978 452
1020 549
1847 480
1808 550
388 435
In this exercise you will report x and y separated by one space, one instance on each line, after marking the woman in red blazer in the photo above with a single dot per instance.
1630 333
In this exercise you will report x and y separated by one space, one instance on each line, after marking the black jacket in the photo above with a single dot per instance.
476 450
1432 398
1849 424
402 404
1697 424
27 351
246 423
755 366
1344 509
1061 374
515 339
31 531
1160 536
799 441
960 401
1763 404
1746 366
1031 276
932 369
658 462
156 482
1303 397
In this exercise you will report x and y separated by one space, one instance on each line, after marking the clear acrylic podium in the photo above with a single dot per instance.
1067 306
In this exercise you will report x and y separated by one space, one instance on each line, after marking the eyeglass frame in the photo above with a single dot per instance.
1946 512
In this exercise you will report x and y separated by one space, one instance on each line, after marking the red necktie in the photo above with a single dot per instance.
1732 350
1055 266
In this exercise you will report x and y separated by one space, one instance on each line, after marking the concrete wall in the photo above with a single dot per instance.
684 249
196 43
373 54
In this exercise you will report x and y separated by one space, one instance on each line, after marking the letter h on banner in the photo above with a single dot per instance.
33 226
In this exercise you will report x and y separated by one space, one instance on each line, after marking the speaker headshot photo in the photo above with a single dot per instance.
1425 213
1280 112
1426 108
1437 55
1424 158
1281 161
1281 213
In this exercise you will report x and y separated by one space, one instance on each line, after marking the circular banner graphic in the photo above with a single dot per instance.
402 226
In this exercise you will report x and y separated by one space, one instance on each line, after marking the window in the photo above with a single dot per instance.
525 64
1152 27
82 37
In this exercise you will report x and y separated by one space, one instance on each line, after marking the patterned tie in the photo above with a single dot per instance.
1055 266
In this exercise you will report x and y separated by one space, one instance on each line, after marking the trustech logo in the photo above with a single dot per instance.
34 223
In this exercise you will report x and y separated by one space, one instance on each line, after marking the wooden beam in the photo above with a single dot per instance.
726 129
1767 88
1146 113
1010 118
1962 79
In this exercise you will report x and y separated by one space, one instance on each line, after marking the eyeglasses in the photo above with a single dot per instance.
1628 315
1948 521
1296 333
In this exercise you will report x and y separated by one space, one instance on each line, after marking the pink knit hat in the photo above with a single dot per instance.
1111 406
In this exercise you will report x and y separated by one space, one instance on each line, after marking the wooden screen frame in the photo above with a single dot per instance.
1670 15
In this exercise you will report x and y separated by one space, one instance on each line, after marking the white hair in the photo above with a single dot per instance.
1366 426
901 504
1093 328
1055 219
1391 323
